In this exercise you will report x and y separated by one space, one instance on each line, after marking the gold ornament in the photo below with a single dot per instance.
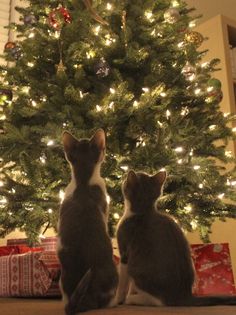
60 68
194 38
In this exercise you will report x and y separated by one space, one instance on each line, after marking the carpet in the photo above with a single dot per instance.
21 306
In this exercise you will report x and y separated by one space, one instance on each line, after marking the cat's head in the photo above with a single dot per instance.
84 155
141 190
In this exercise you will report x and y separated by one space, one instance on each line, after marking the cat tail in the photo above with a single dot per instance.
212 300
76 299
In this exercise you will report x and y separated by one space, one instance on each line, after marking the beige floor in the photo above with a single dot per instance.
54 307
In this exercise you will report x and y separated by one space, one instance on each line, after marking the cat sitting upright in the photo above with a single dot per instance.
89 277
156 266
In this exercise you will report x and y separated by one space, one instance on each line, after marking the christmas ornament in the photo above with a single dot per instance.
94 14
16 52
215 83
194 38
58 17
30 19
5 96
102 68
13 50
188 71
214 96
61 68
171 15
9 45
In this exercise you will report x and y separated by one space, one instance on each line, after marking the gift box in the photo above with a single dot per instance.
27 272
214 275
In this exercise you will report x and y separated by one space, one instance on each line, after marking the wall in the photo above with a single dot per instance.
210 8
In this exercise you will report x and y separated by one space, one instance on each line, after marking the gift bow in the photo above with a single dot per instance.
95 15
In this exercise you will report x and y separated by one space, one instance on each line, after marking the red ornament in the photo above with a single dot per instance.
9 45
58 17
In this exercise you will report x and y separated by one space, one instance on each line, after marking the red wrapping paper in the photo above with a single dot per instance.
214 275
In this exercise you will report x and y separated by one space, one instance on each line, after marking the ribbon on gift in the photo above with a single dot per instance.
94 14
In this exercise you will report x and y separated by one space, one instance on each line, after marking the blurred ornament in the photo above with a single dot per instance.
188 71
171 15
13 50
9 45
30 19
5 96
102 68
16 52
215 83
215 96
61 68
194 38
58 17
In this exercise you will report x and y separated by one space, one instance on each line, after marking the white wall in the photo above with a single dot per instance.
211 8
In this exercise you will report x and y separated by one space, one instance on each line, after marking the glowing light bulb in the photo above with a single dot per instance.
30 64
188 208
221 196
204 64
111 105
168 113
210 88
197 91
228 154
135 104
212 127
108 199
34 104
175 3
1 183
200 186
124 167
97 29
112 91
98 108
31 35
116 216
109 6
50 143
234 129
179 149
192 24
61 195
194 224
149 16
180 161
50 210
145 89
196 167
42 159
163 94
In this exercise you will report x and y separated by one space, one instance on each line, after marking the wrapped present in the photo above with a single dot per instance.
23 275
214 275
27 271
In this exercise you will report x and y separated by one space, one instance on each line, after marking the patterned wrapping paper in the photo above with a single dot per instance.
214 275
34 273
23 275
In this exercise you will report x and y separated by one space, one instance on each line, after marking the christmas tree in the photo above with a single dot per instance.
133 68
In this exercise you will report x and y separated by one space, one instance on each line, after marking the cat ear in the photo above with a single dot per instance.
99 139
131 178
160 178
69 141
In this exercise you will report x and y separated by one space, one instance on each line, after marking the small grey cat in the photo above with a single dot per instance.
88 273
156 266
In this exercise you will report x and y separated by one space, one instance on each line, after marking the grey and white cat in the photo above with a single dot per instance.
88 274
156 266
